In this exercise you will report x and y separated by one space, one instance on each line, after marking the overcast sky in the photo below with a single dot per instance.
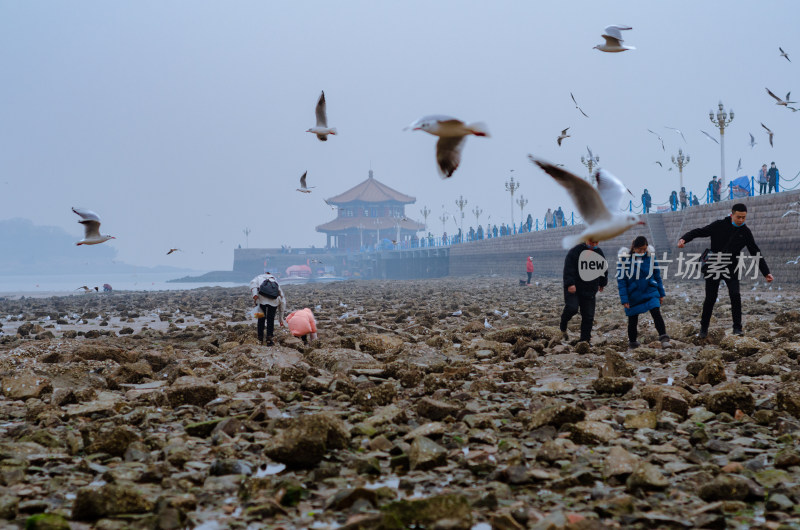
181 123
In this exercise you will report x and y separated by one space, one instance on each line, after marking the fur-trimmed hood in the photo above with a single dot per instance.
625 252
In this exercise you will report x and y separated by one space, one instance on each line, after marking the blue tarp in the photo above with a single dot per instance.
740 187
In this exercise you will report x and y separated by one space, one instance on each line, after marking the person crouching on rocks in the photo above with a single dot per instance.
641 289
269 297
302 324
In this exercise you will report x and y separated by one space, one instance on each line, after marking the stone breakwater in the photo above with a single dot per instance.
159 410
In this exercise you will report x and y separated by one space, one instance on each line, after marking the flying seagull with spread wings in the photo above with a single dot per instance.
577 106
784 54
613 40
599 207
91 228
677 131
781 102
173 250
752 140
321 129
562 136
660 139
303 188
452 134
710 137
770 133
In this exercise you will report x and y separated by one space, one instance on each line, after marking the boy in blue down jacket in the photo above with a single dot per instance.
641 289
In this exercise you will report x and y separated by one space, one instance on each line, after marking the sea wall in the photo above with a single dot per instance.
777 236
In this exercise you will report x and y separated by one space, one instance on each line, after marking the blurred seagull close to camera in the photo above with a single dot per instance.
303 188
322 130
91 228
599 207
710 137
562 136
452 134
613 40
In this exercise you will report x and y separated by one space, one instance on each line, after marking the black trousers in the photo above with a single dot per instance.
529 277
772 187
658 320
583 303
269 312
762 188
712 289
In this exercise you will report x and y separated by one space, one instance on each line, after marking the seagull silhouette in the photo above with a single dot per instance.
770 133
710 137
303 188
784 54
752 140
577 106
562 136
660 139
677 131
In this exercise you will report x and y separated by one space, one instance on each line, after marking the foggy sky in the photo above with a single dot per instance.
181 123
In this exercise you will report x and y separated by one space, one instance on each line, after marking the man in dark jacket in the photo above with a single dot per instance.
647 202
772 177
580 294
729 236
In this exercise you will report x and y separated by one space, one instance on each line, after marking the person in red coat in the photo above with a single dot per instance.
529 268
302 323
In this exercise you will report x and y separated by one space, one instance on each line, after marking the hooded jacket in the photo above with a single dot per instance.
529 265
730 239
301 322
637 286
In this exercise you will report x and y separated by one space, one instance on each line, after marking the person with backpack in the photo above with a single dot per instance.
641 289
269 297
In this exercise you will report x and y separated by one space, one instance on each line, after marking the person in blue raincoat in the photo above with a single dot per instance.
641 289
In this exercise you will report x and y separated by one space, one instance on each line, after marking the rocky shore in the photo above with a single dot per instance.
160 411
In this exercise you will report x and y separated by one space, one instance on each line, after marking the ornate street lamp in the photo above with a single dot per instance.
425 211
511 187
522 201
681 162
477 213
590 162
461 202
722 121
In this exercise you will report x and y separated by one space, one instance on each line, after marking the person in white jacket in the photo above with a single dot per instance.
269 306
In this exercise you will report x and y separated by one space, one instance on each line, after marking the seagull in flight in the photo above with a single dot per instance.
91 228
599 207
577 106
452 133
710 137
752 140
613 40
659 137
659 163
677 131
303 188
322 130
173 250
781 102
784 54
739 167
562 136
790 212
770 133
795 261
86 289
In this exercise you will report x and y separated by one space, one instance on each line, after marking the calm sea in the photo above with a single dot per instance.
65 284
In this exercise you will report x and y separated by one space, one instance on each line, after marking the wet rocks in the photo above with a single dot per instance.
426 454
730 398
92 503
307 439
725 488
189 390
25 386
788 399
556 416
646 476
436 410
